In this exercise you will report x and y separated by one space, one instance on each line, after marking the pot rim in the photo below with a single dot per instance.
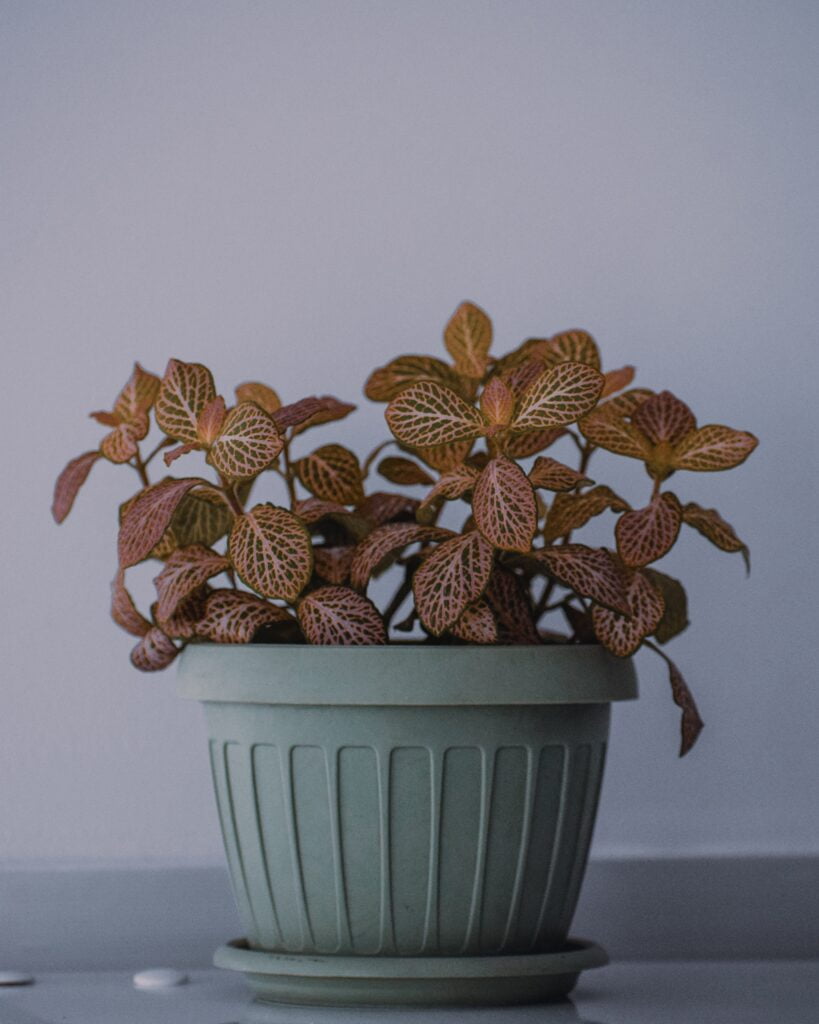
404 675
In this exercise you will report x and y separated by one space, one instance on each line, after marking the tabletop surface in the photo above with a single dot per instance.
748 992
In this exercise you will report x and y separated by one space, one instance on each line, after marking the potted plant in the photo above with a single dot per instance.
407 806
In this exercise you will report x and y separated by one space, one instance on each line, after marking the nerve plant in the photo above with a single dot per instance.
471 431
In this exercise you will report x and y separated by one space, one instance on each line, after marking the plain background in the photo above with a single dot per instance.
296 192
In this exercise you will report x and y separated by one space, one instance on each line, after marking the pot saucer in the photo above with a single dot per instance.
411 980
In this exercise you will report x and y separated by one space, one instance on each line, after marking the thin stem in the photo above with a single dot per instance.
230 494
398 599
164 443
139 466
289 474
367 465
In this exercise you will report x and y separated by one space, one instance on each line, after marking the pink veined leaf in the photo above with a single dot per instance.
572 511
522 376
211 419
625 404
691 723
297 413
453 576
183 624
646 534
249 441
339 615
713 527
558 397
332 473
427 414
663 417
713 448
123 609
616 380
271 551
333 410
382 507
675 614
503 504
311 510
175 453
69 482
520 446
388 381
589 572
623 634
403 471
185 391
468 338
149 516
573 346
385 542
120 444
138 395
333 563
477 624
234 616
265 397
450 486
607 428
444 457
154 651
497 403
555 476
511 607
185 570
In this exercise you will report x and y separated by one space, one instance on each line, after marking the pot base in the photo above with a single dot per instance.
408 980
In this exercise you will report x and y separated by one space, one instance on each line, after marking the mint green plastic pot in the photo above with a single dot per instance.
408 800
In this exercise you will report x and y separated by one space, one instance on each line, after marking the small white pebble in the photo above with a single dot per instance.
16 978
159 977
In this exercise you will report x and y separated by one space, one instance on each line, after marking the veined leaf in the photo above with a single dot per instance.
183 624
675 616
646 534
713 448
388 381
234 616
138 395
663 417
313 510
468 338
574 346
511 607
403 471
201 518
175 453
385 542
521 377
309 411
451 485
555 476
616 380
444 457
333 563
519 446
477 624
453 576
249 441
69 482
623 634
185 571
561 396
148 517
497 403
503 504
338 615
712 526
120 444
123 609
607 428
427 414
589 572
265 397
625 404
690 724
185 391
211 420
572 511
333 410
271 551
332 473
154 651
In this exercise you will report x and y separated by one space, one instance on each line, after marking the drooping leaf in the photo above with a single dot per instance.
503 504
123 609
623 634
468 338
607 428
444 457
713 448
175 453
675 616
234 616
574 346
572 511
185 571
271 551
497 403
589 572
248 442
646 534
138 395
520 378
202 517
339 615
399 470
616 380
185 391
451 485
333 410
691 723
332 473
477 624
318 514
154 651
427 414
265 397
511 607
519 446
561 396
309 411
712 526
388 381
149 516
555 476
183 624
120 444
333 563
663 417
453 576
212 420
385 542
69 482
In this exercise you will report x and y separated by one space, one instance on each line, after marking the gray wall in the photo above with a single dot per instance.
297 191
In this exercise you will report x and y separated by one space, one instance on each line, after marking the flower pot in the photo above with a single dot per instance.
407 823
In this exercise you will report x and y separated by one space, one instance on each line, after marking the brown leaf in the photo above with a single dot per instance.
453 576
511 607
184 623
574 346
185 391
403 471
589 572
333 410
468 338
382 507
623 634
154 651
317 514
444 457
333 563
123 609
503 504
663 417
175 453
427 414
522 376
497 403
675 616
184 572
450 486
690 723
712 526
607 428
477 624
138 395
233 616
120 444
572 511
69 482
519 446
340 616
646 534
384 543
616 380
308 411
713 448
559 397
271 551
261 394
202 517
332 473
388 381
149 516
555 476
211 420
248 442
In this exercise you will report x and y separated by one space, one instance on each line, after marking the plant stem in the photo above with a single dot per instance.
367 464
289 475
139 466
230 494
